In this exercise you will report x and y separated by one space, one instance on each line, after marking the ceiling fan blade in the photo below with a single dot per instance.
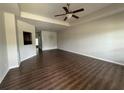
79 10
75 16
60 15
66 9
65 18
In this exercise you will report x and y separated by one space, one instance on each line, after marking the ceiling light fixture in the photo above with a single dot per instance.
69 16
68 13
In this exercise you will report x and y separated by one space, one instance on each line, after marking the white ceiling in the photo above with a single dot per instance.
48 10
10 7
43 25
51 9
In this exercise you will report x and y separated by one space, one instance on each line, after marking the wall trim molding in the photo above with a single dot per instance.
49 49
98 58
9 68
28 58
104 12
13 67
4 76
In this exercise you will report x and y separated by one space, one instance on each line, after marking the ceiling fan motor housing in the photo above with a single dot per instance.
69 13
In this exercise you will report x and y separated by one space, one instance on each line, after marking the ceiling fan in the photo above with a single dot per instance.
68 13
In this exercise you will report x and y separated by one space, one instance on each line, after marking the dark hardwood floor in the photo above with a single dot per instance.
58 69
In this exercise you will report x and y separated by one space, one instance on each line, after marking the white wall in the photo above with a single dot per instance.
102 38
11 40
26 51
49 40
3 49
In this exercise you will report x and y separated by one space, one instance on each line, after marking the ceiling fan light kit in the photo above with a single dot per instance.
69 14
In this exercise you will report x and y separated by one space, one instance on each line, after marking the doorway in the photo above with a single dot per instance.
38 41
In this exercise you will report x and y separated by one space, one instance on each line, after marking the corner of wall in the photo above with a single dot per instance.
5 73
11 40
25 51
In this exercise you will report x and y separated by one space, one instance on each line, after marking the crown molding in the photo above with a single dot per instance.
107 11
43 19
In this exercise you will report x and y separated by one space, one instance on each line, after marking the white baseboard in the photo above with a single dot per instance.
28 57
106 60
4 76
49 49
14 67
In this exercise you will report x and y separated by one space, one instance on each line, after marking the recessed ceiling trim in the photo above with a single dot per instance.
107 11
42 18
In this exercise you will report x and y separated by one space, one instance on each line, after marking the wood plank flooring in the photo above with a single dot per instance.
57 69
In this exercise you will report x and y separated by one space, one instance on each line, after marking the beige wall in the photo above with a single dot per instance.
3 49
102 38
49 40
8 43
11 40
26 51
